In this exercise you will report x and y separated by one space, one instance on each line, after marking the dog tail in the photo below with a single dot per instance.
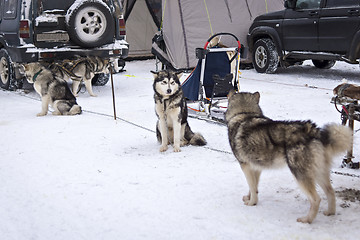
197 140
336 138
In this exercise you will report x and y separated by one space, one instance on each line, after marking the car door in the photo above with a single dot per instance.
300 26
338 22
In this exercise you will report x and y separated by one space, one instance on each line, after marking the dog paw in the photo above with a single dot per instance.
246 198
177 149
93 95
305 219
56 113
163 148
329 213
250 203
40 114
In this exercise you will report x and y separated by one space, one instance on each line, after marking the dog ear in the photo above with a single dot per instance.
156 74
257 96
179 74
231 93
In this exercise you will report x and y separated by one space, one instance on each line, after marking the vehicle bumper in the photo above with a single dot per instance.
30 53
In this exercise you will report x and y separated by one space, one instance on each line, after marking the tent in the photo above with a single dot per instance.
187 24
143 18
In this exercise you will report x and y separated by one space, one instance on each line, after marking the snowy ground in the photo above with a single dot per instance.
91 177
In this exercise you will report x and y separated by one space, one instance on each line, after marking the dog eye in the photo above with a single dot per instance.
163 82
172 83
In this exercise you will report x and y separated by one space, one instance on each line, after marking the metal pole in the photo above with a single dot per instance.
351 126
112 89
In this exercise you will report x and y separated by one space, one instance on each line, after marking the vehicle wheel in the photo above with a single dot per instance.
265 56
100 79
324 64
90 24
6 69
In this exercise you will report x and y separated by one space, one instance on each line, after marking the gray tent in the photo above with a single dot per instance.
142 19
187 24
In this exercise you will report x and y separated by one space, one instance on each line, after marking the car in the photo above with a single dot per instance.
52 30
324 31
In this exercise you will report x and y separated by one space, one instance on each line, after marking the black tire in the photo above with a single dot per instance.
90 24
324 64
6 70
265 56
100 79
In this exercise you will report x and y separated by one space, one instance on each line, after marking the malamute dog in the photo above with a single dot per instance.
80 69
53 91
261 143
171 110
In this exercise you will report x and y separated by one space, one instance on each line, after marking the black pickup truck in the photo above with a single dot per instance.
48 30
323 31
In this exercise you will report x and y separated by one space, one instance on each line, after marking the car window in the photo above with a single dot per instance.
342 3
9 9
307 4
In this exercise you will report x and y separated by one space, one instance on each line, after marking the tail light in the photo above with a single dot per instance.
24 29
122 28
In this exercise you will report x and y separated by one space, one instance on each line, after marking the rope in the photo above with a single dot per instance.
208 15
152 131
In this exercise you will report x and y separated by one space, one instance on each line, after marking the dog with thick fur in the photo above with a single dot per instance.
80 69
53 91
170 107
261 143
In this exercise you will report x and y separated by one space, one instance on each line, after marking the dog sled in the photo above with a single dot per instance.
216 73
348 97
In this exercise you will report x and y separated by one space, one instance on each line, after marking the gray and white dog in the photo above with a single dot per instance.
80 69
170 107
261 143
53 91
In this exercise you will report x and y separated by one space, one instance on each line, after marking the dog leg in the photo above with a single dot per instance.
44 106
164 135
177 135
252 177
75 87
330 194
89 87
308 186
183 141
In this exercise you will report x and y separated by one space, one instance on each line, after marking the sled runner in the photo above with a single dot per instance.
216 73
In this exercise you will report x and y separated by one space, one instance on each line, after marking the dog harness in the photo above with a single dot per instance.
69 66
36 75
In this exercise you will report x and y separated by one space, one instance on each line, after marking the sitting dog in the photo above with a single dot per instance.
170 107
80 69
53 91
261 143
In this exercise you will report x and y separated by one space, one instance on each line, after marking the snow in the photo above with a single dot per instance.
47 18
91 177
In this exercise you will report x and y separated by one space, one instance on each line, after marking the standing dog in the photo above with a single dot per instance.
261 143
53 91
171 110
81 69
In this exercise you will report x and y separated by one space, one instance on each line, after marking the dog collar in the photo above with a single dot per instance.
36 75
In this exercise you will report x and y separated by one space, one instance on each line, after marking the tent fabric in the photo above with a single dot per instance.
186 24
215 63
143 19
